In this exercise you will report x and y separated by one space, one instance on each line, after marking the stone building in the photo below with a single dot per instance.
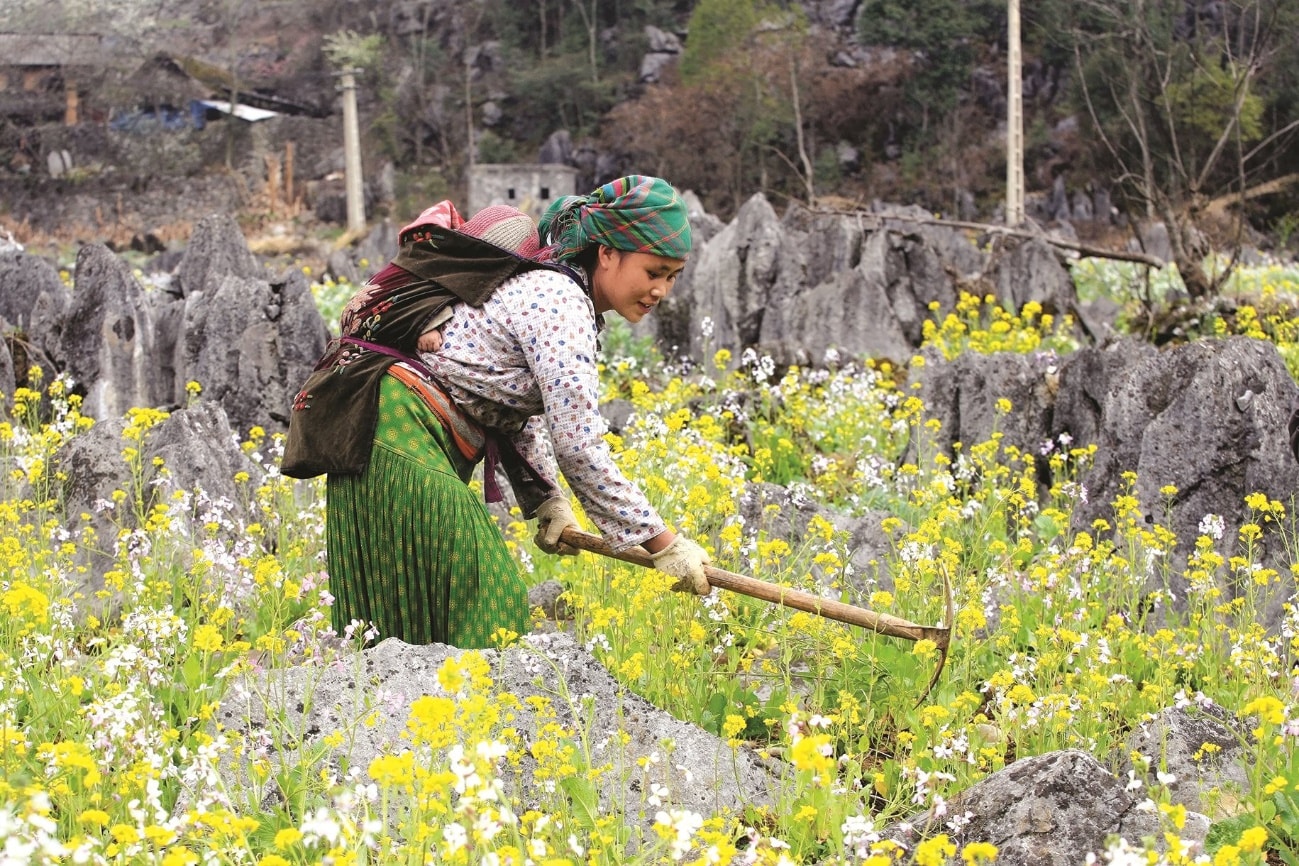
44 73
529 187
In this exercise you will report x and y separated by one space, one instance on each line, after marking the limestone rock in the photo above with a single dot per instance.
107 343
1046 810
1208 418
964 392
216 250
8 382
33 300
700 770
251 344
1174 743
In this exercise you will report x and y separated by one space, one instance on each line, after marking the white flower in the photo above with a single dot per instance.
320 825
681 825
455 837
1213 526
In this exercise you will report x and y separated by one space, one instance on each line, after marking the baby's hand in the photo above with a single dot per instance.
430 341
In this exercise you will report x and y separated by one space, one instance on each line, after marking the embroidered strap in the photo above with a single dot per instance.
469 437
390 352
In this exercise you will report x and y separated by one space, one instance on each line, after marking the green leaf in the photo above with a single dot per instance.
586 802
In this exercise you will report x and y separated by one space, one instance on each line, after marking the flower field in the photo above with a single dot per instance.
108 688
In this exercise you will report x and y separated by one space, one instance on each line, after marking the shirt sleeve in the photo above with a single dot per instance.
556 331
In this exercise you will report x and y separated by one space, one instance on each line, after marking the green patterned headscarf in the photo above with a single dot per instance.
636 214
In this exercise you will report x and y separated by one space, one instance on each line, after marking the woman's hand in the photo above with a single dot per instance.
553 516
685 560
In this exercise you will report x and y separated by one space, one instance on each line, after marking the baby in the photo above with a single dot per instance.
500 225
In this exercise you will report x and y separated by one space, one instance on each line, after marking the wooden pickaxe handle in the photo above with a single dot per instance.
882 623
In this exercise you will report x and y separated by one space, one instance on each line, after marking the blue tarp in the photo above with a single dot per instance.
147 121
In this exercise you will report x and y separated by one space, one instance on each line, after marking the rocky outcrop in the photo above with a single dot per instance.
8 381
247 337
33 302
1207 418
200 459
813 285
634 742
1046 810
109 336
1199 749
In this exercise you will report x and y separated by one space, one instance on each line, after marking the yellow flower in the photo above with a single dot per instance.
1268 708
93 818
450 677
392 770
977 853
935 851
287 838
1228 855
208 638
813 753
1253 839
26 602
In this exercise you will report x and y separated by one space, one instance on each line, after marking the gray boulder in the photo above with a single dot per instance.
8 381
216 250
963 394
1045 810
1032 271
955 249
728 282
1085 378
1174 743
1208 418
33 301
700 771
107 344
813 285
248 341
200 457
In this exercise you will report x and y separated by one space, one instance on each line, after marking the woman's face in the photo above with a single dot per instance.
632 284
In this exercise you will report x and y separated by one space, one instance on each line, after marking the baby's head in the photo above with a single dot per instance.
506 227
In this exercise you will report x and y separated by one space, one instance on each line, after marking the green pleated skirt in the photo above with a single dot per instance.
412 550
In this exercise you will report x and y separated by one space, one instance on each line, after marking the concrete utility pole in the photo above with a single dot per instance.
352 153
1014 121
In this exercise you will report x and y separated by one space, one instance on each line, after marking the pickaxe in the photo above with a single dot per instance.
883 623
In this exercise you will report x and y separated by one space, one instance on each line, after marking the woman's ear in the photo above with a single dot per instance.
606 257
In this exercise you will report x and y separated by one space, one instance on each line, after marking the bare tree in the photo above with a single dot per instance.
1171 89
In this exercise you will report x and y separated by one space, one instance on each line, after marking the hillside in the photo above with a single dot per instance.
859 101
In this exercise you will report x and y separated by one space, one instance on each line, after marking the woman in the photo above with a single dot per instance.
412 550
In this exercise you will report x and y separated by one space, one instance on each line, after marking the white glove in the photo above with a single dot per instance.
553 516
685 560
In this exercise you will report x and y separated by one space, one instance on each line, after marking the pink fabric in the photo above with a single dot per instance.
496 216
442 214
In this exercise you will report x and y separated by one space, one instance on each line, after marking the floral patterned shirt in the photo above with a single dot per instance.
525 361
